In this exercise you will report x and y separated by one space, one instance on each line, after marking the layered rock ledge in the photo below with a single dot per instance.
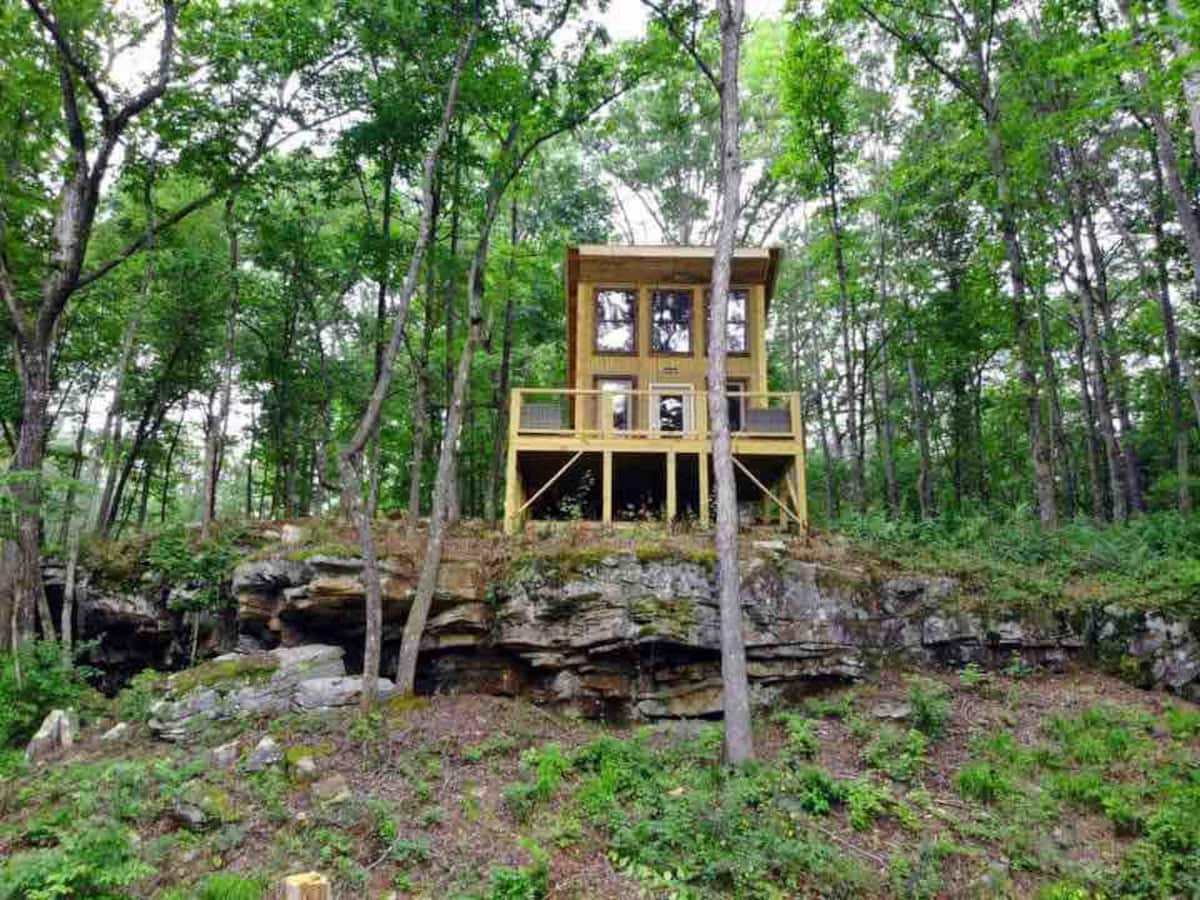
628 635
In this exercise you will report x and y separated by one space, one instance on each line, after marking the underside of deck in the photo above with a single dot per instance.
614 480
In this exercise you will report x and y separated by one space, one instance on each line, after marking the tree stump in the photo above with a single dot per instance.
307 886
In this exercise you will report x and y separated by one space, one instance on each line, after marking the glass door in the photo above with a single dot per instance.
671 407
616 391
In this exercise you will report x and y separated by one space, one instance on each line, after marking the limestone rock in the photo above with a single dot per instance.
56 733
304 770
118 732
332 789
225 755
264 755
327 693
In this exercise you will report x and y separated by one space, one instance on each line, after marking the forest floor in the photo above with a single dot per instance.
912 785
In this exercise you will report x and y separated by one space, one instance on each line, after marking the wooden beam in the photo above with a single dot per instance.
307 886
703 470
762 487
512 478
606 487
553 478
671 492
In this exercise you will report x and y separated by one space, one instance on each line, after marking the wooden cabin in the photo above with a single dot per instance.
628 437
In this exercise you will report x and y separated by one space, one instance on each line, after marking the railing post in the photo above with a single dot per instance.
606 488
671 500
794 412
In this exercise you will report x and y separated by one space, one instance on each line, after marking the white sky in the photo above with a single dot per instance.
627 18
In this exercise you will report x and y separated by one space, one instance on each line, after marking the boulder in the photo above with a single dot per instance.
56 733
225 755
327 693
265 754
331 789
118 732
240 685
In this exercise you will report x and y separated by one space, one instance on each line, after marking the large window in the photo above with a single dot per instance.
620 388
616 321
736 320
671 321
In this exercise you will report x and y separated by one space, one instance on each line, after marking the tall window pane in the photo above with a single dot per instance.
671 321
736 321
616 321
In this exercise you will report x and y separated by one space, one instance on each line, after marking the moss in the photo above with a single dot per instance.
335 549
674 617
251 669
706 557
404 704
293 754
653 552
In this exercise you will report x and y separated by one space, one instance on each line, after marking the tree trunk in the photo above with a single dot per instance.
500 432
1103 411
887 445
444 484
1091 439
735 685
1039 451
916 397
28 593
214 445
1191 74
858 488
350 458
73 522
166 485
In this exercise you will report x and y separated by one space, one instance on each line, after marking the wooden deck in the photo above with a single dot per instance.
565 426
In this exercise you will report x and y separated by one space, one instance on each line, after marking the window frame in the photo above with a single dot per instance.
745 322
635 306
691 332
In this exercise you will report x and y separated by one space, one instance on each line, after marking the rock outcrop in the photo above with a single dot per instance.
241 685
627 636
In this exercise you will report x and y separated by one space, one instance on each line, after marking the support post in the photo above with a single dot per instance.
671 492
801 476
703 471
606 488
512 483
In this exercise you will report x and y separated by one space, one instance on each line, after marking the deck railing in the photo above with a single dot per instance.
660 413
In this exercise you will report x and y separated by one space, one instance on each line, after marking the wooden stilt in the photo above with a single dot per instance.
704 514
307 886
671 493
606 487
512 479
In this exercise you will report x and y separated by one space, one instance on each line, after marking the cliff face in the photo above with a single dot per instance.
620 635
632 634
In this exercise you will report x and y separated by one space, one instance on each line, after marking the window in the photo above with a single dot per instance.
622 400
671 321
671 407
736 320
735 398
616 321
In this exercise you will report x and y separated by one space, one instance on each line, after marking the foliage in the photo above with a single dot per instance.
98 861
46 683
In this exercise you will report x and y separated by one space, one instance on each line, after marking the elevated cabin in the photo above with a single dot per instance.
629 438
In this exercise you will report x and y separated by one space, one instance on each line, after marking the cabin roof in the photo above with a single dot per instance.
665 264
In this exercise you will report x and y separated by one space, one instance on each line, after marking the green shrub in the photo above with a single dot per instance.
97 862
816 791
900 754
930 703
802 740
865 803
231 886
134 702
979 781
46 683
530 882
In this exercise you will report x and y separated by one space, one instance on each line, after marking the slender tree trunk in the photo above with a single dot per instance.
500 432
887 445
735 685
444 484
858 486
166 484
214 446
926 497
1061 447
1087 301
1039 450
350 458
1162 282
1091 438
71 542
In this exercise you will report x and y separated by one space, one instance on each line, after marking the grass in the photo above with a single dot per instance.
1072 786
1152 562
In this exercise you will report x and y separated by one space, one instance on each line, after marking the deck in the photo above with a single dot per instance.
553 430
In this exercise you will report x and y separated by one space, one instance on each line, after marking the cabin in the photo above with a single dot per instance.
628 439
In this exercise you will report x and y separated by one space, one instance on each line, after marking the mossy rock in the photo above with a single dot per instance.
254 668
672 617
296 752
403 705
203 805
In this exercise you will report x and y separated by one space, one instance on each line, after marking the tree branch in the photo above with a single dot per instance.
72 58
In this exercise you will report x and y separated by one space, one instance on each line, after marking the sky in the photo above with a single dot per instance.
627 18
